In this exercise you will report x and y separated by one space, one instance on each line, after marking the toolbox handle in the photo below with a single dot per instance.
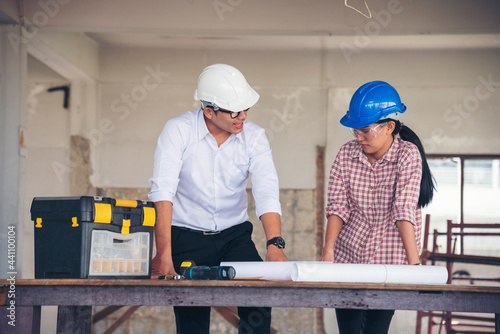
125 203
121 241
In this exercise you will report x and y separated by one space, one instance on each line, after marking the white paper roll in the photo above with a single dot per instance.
416 274
368 273
339 272
280 271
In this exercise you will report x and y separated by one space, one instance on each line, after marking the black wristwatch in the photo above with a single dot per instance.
277 241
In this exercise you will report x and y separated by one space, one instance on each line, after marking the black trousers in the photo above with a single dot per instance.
363 321
232 244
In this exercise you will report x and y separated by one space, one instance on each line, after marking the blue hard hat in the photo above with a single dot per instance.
372 102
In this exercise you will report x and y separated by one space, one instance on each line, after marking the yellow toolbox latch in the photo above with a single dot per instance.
126 226
103 213
149 216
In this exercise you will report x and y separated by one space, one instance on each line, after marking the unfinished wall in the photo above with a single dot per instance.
143 90
450 95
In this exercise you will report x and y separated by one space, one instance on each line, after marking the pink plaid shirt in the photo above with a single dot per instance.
371 198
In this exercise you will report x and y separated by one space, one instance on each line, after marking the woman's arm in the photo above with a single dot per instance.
333 228
407 233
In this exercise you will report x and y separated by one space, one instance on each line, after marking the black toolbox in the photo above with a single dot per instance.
92 237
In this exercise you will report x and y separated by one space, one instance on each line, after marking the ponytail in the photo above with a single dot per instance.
427 183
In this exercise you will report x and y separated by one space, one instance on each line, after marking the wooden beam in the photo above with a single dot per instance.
75 292
75 296
74 319
489 260
25 320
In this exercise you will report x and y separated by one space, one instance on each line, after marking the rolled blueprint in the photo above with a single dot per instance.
368 273
416 274
339 272
280 271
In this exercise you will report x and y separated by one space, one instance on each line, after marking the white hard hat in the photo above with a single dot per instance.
225 86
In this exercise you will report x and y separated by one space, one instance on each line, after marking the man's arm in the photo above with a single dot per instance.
271 222
162 263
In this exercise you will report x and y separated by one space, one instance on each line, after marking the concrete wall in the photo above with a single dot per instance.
452 97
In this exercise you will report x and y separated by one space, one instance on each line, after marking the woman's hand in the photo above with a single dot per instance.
327 255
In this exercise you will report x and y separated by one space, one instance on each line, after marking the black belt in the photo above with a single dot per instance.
198 231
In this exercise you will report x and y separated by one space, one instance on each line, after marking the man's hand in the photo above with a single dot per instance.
161 267
271 222
162 263
275 254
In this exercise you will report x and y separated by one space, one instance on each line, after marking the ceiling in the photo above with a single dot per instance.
294 42
267 24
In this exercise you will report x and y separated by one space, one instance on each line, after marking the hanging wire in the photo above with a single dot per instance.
369 16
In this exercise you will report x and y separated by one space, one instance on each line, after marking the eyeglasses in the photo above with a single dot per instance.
232 114
367 133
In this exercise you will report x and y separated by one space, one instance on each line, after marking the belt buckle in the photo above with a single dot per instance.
210 232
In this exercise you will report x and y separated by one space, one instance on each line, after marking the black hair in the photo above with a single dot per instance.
427 186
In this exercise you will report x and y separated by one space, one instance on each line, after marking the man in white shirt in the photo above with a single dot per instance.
202 164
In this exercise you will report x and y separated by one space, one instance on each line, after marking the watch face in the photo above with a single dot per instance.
278 242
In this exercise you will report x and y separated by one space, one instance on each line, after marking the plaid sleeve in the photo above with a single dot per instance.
408 185
337 203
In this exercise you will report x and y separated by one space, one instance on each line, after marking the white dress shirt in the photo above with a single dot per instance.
207 183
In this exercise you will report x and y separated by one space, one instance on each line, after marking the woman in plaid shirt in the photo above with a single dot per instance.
378 183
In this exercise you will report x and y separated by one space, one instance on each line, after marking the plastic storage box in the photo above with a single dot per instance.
92 237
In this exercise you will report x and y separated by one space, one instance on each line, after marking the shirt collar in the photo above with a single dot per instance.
203 129
239 135
202 126
391 154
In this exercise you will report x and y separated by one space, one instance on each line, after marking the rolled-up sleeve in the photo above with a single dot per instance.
265 183
408 187
167 164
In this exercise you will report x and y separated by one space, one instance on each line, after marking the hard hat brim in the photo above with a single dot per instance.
248 103
355 124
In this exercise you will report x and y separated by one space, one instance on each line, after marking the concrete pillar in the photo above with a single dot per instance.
13 64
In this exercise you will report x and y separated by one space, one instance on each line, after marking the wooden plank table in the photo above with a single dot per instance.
75 298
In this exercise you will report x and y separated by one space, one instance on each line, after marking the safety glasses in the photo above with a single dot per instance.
232 114
367 133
